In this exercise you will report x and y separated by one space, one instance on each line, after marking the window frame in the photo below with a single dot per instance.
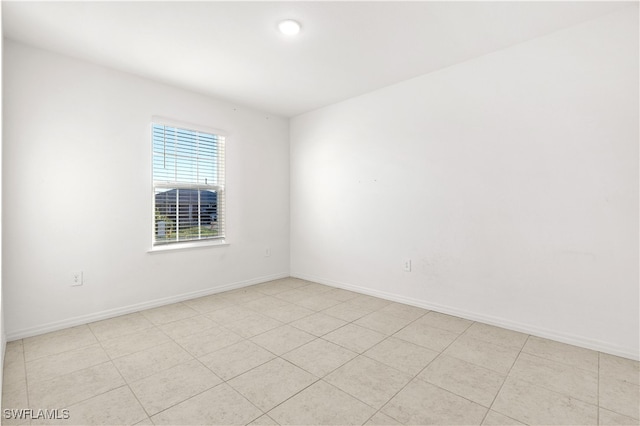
219 188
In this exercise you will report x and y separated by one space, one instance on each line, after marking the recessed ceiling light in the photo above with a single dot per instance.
289 27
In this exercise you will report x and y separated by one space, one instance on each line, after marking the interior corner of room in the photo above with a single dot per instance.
502 187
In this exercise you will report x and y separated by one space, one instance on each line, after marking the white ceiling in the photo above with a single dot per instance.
233 51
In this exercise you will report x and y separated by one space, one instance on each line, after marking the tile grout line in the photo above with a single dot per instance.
126 382
242 301
421 370
194 358
506 377
598 392
322 378
556 391
386 338
243 339
379 410
26 378
108 361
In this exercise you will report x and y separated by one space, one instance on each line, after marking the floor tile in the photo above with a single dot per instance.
497 335
282 339
321 404
380 419
147 362
57 342
317 303
119 326
421 403
263 420
382 323
347 312
265 303
312 288
620 396
354 337
289 313
320 357
208 303
292 295
169 387
340 294
169 313
532 404
208 341
71 388
610 418
558 377
63 363
403 311
145 422
14 351
14 364
369 302
401 355
318 324
470 381
253 325
241 295
236 359
445 322
429 337
370 381
496 419
619 368
14 373
221 405
116 407
270 384
337 365
14 397
230 314
17 387
188 326
561 352
494 357
134 342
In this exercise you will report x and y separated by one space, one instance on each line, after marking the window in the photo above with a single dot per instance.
188 184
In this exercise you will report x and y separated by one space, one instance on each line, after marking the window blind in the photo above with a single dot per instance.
188 184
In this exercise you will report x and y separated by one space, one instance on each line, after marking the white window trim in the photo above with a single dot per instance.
186 125
190 244
187 245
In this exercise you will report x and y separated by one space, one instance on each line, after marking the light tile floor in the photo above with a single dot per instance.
295 352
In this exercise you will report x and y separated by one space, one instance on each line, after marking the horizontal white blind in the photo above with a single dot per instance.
188 180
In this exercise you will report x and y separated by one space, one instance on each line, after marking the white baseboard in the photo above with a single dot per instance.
110 313
487 319
473 316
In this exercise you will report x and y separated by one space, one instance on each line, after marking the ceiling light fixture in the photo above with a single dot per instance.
289 27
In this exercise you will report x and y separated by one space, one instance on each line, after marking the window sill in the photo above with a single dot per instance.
187 246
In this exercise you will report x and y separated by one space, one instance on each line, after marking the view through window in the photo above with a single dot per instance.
188 184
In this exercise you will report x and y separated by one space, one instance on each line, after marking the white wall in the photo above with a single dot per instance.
3 336
77 193
510 180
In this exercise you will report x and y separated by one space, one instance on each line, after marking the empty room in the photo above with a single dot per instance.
320 213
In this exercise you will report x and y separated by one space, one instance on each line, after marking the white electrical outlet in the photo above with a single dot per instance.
267 252
76 278
407 265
